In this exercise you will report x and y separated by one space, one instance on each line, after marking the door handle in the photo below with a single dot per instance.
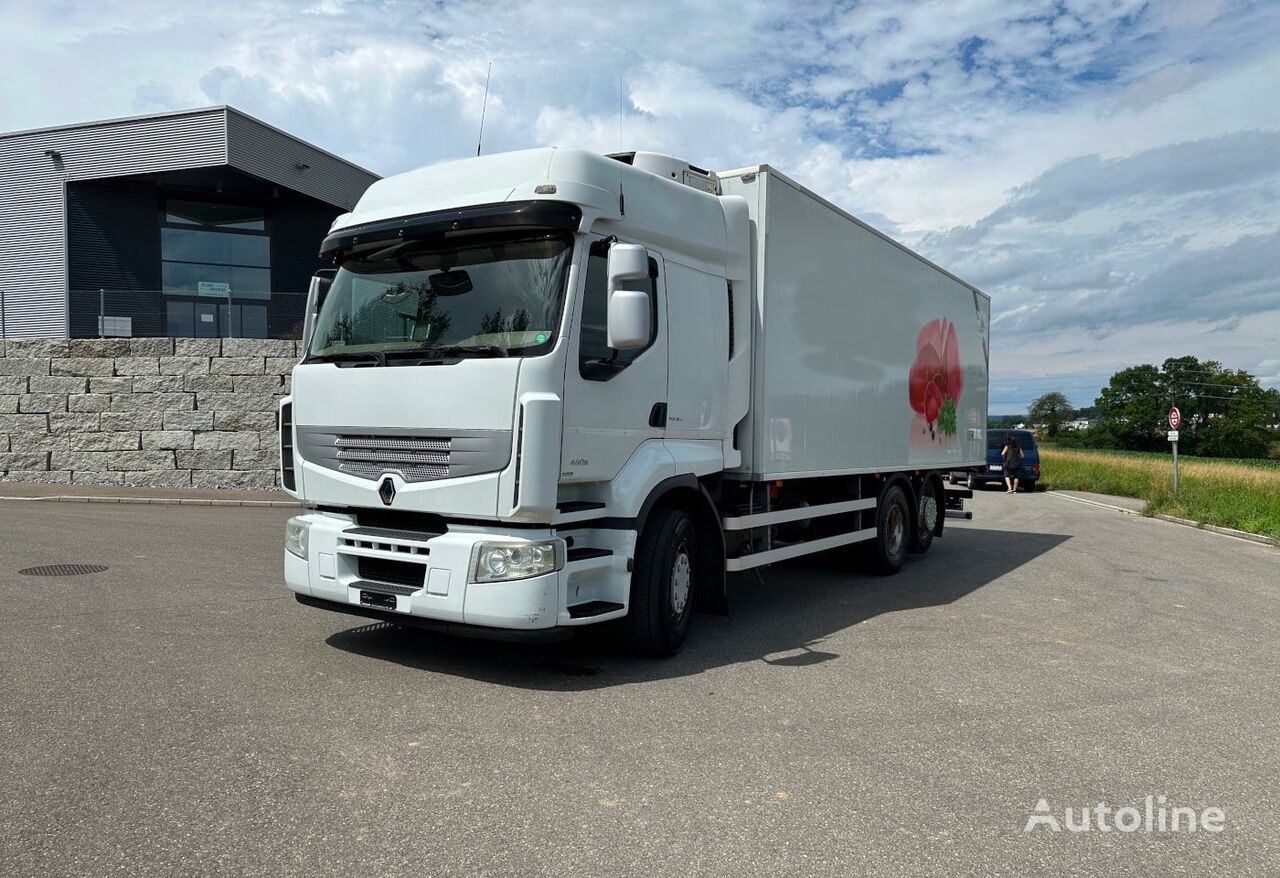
658 415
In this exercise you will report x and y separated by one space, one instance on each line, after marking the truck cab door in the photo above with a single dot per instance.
613 400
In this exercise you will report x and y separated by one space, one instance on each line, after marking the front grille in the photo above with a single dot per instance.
417 459
415 455
395 572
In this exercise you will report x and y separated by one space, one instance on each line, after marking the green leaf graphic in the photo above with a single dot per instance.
947 418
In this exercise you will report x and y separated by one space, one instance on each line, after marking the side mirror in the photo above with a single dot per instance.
629 319
630 311
316 293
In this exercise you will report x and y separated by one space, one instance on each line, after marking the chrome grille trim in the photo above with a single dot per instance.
378 454
412 443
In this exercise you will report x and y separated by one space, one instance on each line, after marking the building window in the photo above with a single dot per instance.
215 249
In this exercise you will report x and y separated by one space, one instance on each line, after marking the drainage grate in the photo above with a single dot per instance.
62 570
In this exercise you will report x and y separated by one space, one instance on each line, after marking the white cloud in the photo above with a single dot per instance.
1085 160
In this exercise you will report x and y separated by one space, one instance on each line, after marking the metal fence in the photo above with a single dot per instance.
167 314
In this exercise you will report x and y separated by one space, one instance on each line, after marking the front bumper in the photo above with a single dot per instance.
331 577
459 629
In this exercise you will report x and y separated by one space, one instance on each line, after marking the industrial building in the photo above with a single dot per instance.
201 224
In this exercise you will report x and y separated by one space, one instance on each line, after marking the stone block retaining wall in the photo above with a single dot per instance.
161 412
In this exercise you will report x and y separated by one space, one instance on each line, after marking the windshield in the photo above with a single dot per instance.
418 300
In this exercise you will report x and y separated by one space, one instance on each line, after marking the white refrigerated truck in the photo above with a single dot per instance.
551 388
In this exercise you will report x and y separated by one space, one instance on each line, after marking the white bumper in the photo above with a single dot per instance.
331 572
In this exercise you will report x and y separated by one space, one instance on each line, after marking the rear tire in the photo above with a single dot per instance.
926 518
972 483
663 584
893 531
1028 485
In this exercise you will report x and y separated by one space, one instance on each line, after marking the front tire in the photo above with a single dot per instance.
893 532
663 584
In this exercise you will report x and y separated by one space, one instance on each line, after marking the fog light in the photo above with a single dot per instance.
295 536
502 562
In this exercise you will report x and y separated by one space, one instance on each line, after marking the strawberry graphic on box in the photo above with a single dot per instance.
936 378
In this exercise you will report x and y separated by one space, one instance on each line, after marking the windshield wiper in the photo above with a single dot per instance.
450 352
376 358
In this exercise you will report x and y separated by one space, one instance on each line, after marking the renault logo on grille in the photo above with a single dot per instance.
387 491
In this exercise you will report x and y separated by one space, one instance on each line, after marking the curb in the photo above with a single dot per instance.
1225 531
1185 522
156 501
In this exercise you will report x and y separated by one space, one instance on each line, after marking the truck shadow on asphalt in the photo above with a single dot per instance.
784 619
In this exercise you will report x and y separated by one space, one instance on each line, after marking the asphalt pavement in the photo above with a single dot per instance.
180 714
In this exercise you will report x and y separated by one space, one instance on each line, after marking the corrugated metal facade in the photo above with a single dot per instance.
266 152
33 202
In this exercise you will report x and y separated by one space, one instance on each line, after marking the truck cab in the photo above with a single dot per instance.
509 346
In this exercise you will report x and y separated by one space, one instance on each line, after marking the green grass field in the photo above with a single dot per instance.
1243 494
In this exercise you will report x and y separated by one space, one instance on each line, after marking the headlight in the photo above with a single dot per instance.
295 536
501 562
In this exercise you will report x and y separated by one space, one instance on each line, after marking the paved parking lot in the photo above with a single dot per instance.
181 714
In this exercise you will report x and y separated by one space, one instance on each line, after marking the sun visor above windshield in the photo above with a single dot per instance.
512 216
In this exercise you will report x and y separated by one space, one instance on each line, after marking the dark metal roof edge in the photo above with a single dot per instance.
293 137
223 109
99 123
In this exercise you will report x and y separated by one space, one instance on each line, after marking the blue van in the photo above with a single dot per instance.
1028 473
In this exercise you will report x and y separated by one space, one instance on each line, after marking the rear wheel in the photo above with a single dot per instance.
663 584
893 532
926 523
1028 485
972 483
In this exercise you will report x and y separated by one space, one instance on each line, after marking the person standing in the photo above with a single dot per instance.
1011 454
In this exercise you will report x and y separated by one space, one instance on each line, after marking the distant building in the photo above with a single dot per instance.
199 223
1077 424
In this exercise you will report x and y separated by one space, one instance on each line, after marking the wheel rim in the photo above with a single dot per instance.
928 513
895 530
681 581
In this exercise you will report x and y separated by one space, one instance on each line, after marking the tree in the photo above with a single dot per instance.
1050 411
1224 411
1132 407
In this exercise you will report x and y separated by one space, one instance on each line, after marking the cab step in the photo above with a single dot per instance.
571 506
593 608
585 553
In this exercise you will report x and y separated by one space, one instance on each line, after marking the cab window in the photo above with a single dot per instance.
596 360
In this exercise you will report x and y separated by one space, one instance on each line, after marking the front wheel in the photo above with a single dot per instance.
663 584
893 531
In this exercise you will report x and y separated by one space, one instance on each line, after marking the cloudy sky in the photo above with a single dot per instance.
1108 170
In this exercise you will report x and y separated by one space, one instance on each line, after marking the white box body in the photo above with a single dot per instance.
842 316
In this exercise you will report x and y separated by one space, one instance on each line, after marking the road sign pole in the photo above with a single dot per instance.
1175 421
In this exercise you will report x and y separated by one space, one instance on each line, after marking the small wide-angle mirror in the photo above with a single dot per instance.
627 262
321 281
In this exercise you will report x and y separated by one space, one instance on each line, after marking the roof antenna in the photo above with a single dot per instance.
484 106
